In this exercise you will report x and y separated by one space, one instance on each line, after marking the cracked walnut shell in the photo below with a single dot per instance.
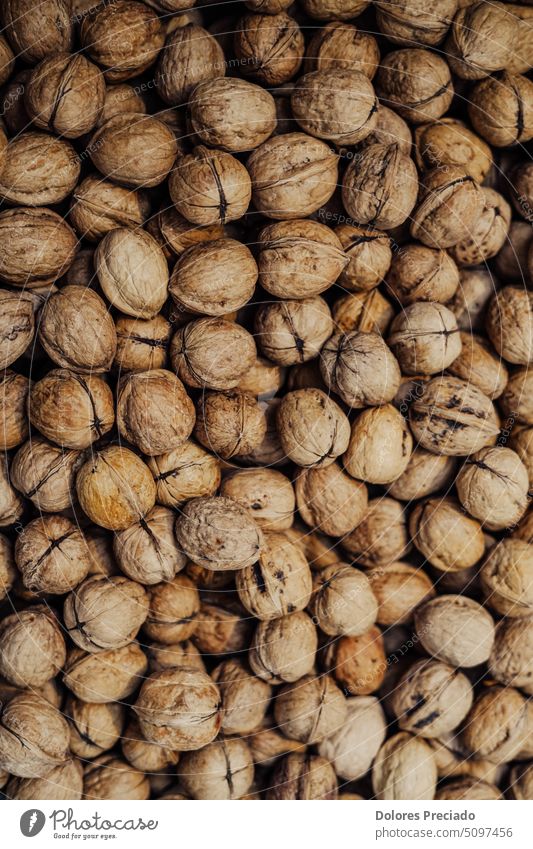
52 555
493 486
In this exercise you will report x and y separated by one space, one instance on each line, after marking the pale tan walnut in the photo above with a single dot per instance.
310 710
179 708
124 38
222 770
142 343
108 676
231 114
425 338
177 654
448 538
493 486
36 31
521 782
267 745
173 607
14 391
450 200
511 660
109 777
133 149
7 60
313 429
46 474
399 589
105 612
453 417
343 603
478 364
65 93
404 769
144 756
292 175
475 289
516 400
330 500
380 187
184 473
488 234
501 109
283 650
36 246
52 555
269 48
8 571
175 234
270 452
147 551
190 56
425 474
496 727
330 10
415 22
352 748
214 278
245 697
293 331
340 45
381 537
420 273
212 353
11 504
360 368
369 256
132 271
299 259
380 445
455 629
94 728
431 699
416 83
115 488
511 261
266 492
222 630
77 331
61 782
210 187
219 534
229 423
358 664
99 206
336 104
121 98
509 324
302 776
72 410
507 578
32 648
365 312
449 142
38 170
521 441
482 39
34 737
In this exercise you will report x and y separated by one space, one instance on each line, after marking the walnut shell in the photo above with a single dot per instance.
369 256
212 353
506 578
399 588
478 364
360 368
7 60
350 752
105 612
52 555
493 486
501 109
245 697
455 629
147 551
210 187
488 234
144 756
366 312
475 289
17 325
419 273
431 699
11 504
425 338
8 572
178 654
14 390
343 602
380 187
46 474
283 650
381 537
330 500
190 56
509 324
65 780
311 710
222 770
313 429
142 343
343 46
269 48
516 398
449 142
497 725
416 83
450 199
415 22
99 206
380 445
108 676
184 473
94 728
521 782
302 776
266 492
39 170
37 246
510 660
219 114
404 768
34 737
336 104
35 32
229 423
445 536
32 647
358 664
291 332
109 777
173 607
121 98
511 261
481 40
175 234
425 474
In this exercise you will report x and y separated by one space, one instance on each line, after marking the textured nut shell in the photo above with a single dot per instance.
357 663
496 726
302 776
132 272
380 187
52 555
510 662
245 698
36 246
270 49
99 206
35 32
510 324
415 22
366 312
277 656
369 256
336 104
312 428
326 10
481 40
222 770
147 551
350 751
190 56
292 332
34 736
416 83
144 756
488 234
399 588
311 710
448 539
94 728
425 338
210 187
184 473
493 486
404 768
213 353
380 446
449 142
11 504
343 602
507 578
516 398
17 325
109 777
32 648
8 572
14 390
431 699
229 423
425 474
330 500
61 782
340 45
107 676
478 364
220 111
267 492
174 605
419 273
360 368
142 343
455 629
39 170
381 537
501 109
449 201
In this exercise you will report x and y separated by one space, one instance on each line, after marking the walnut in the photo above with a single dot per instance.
404 768
268 7
381 537
380 445
32 647
509 324
175 234
121 98
184 473
220 109
179 708
358 664
266 492
269 48
512 259
481 40
496 726
63 781
65 93
478 364
302 776
425 474
190 56
516 398
105 613
415 22
99 206
298 259
510 661
39 170
52 555
293 331
501 109
292 175
310 710
142 343
521 442
108 676
7 60
34 737
283 650
37 246
177 654
222 630
352 748
132 272
337 104
360 368
475 289
521 782
493 486
222 770
329 10
35 32
418 273
330 500
506 578
109 777
245 698
147 551
369 257
144 756
8 572
379 188
455 629
94 728
229 423
343 602
210 186
343 46
399 588
11 504
14 390
313 429
445 536
366 312
453 417
212 353
115 488
70 409
449 201
425 338
133 150
416 83
214 278
449 142
431 699
488 234
173 607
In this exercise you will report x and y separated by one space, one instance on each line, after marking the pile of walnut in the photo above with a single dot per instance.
266 321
